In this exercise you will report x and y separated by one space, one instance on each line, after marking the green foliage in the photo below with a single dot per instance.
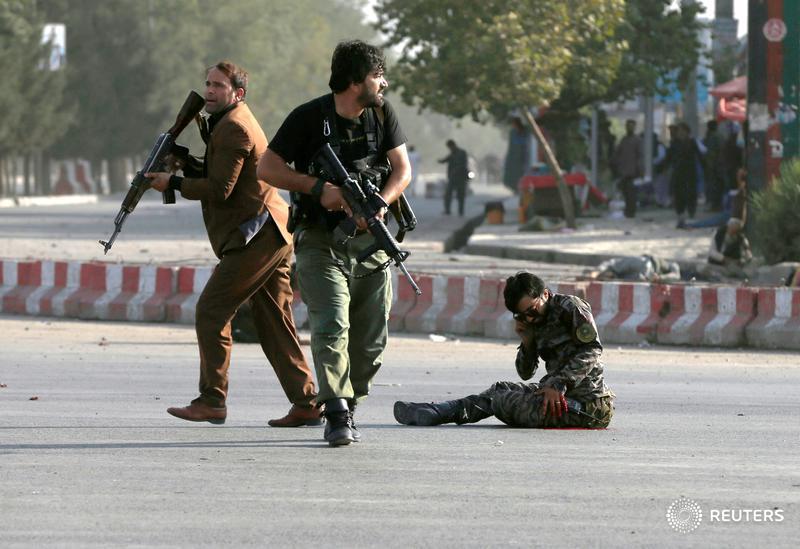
776 219
485 57
110 76
664 45
132 63
37 115
645 67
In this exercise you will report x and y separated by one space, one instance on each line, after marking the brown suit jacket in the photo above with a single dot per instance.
234 200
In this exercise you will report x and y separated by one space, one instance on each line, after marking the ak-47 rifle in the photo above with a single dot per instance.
165 145
365 201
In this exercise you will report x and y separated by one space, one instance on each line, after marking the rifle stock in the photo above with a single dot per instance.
165 144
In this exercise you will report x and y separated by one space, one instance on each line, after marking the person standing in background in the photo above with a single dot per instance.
628 166
457 175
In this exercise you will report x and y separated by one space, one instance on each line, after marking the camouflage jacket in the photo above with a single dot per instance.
568 343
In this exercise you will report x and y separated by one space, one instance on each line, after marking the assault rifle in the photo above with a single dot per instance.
364 201
165 145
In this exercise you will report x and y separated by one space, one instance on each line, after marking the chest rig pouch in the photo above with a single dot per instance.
373 167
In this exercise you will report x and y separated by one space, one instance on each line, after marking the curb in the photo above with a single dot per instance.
630 313
66 200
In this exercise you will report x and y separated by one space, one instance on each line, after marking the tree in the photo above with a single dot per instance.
776 229
131 64
646 66
486 57
39 115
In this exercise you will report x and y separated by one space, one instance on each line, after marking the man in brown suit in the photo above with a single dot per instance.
246 223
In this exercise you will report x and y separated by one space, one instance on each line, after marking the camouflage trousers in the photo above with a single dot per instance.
515 404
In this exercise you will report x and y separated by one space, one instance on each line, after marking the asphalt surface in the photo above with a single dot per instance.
94 460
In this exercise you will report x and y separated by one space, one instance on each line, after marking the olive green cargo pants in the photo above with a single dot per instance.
348 316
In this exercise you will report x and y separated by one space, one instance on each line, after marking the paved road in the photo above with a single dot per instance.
95 460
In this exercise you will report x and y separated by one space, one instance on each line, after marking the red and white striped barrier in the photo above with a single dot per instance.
499 323
190 284
403 300
463 298
52 284
90 290
19 280
714 316
777 324
421 318
74 177
83 176
136 293
626 312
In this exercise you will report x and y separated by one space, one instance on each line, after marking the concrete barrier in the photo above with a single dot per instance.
190 283
102 291
714 316
624 312
499 323
404 299
421 318
463 298
777 322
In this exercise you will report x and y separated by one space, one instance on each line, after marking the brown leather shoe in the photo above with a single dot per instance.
199 411
297 417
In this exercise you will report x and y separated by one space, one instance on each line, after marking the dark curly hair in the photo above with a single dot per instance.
520 285
352 61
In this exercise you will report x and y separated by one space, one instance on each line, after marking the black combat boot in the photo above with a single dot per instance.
353 428
435 413
338 422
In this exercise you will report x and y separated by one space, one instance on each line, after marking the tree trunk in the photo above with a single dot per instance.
11 175
27 176
117 178
563 191
3 190
43 172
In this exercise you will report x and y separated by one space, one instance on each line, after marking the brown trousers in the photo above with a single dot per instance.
259 272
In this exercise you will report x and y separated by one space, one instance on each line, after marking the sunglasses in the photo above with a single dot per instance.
528 314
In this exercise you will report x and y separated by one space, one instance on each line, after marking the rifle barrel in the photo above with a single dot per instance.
402 267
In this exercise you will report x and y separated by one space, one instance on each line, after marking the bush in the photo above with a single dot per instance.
777 216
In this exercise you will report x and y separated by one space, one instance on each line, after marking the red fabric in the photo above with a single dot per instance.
549 181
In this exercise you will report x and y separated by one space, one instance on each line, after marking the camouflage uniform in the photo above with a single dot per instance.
568 343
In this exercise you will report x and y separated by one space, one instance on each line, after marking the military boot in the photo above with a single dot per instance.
338 422
435 413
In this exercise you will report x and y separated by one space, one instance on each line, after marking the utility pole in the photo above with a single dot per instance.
690 93
772 88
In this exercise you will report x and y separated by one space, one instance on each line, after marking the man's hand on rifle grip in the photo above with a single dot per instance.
158 180
332 199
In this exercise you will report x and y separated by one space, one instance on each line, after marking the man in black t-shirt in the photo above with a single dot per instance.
348 315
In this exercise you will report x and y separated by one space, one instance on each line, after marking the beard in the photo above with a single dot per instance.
369 99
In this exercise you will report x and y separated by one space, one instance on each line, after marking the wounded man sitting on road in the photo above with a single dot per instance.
561 330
